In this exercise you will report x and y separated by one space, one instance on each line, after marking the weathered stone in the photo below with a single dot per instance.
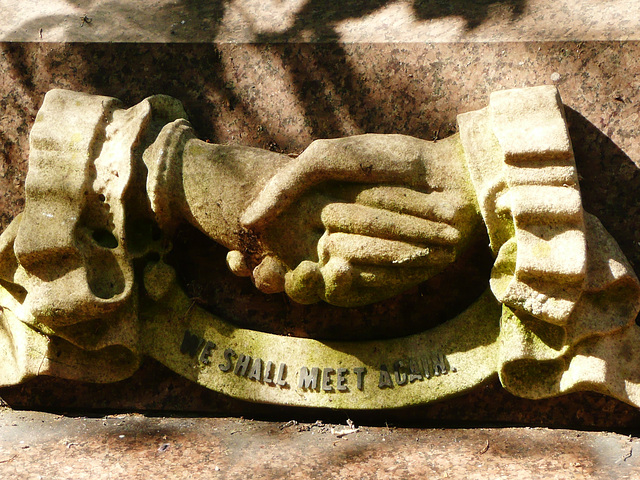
349 221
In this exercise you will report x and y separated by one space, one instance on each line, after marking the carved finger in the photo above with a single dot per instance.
348 285
391 277
364 158
342 283
437 206
237 263
269 275
360 249
337 275
305 284
374 222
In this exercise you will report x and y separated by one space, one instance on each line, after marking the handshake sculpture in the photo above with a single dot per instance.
349 221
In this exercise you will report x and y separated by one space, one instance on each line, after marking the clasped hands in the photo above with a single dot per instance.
358 219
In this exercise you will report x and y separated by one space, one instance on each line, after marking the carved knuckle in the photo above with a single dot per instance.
269 275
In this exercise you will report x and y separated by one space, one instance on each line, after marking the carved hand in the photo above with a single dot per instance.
358 219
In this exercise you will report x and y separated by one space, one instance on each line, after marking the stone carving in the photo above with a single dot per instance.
85 290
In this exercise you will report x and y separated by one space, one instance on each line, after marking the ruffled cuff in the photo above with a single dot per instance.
521 162
569 295
68 295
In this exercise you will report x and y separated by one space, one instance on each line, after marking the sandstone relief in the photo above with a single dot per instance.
86 287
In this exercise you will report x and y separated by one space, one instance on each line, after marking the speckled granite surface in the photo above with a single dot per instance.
326 21
282 96
35 445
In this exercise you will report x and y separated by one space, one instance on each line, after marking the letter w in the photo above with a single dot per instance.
191 343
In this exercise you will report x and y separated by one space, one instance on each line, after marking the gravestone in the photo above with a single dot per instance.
313 74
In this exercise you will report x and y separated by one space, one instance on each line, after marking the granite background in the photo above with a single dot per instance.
281 96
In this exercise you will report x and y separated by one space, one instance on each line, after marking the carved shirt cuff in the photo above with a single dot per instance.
521 162
67 264
569 294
